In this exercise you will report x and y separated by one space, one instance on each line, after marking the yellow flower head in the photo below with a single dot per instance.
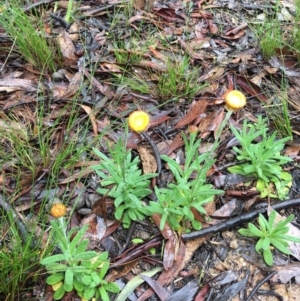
58 210
138 121
235 100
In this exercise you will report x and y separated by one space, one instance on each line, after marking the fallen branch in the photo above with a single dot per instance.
233 222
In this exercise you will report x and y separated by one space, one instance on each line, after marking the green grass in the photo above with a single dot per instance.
28 34
19 261
179 80
276 37
278 113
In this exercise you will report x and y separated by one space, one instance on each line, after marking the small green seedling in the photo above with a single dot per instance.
127 184
263 159
270 233
76 268
177 202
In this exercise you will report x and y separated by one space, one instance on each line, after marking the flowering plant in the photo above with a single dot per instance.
76 268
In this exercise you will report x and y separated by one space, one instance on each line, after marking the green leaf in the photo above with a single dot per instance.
55 278
95 278
104 269
119 212
291 238
52 259
280 246
82 246
134 283
89 293
237 169
254 230
68 283
271 220
163 221
268 257
112 287
264 225
132 215
86 280
259 245
266 243
103 294
56 267
77 238
59 293
246 232
78 285
87 255
196 225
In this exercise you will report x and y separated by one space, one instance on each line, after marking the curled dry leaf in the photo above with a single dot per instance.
67 47
147 158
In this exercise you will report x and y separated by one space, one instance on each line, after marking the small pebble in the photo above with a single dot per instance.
84 211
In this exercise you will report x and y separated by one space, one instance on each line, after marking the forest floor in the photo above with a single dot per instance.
177 61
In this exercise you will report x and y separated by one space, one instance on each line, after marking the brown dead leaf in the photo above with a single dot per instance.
213 74
15 84
286 272
91 114
211 123
213 28
74 31
121 272
292 151
139 4
197 108
96 229
103 88
251 88
236 32
257 79
270 70
176 143
171 246
185 253
74 85
148 160
67 47
160 291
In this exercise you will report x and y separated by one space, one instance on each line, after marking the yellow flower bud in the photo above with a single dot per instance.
235 100
58 210
138 121
193 129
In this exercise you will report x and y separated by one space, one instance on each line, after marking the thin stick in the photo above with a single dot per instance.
233 222
259 284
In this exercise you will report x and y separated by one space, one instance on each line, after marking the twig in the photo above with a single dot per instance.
62 21
259 284
239 220
155 150
33 5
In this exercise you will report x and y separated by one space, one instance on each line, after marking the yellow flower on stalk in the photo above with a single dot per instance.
235 100
138 121
58 210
